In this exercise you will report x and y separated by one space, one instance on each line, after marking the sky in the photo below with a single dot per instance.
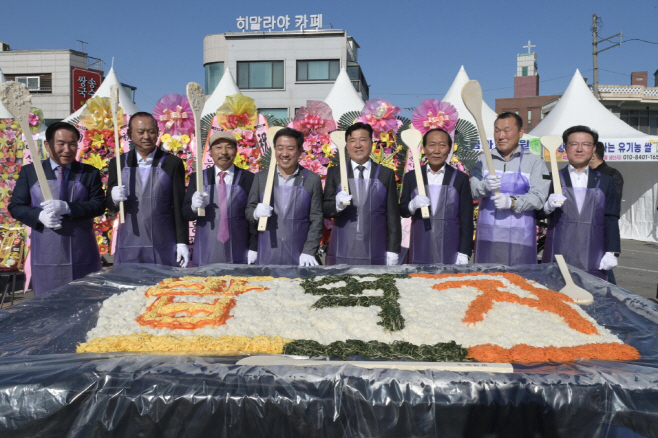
410 50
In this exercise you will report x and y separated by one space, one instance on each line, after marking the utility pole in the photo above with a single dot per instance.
595 52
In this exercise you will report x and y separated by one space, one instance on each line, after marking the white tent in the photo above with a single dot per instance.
226 87
454 97
343 97
125 102
578 106
4 113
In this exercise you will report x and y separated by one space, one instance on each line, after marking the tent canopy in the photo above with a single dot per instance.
125 102
226 87
578 106
343 97
454 97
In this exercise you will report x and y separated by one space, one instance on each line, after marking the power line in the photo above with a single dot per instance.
637 39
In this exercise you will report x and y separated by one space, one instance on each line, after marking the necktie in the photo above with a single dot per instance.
60 173
222 232
361 169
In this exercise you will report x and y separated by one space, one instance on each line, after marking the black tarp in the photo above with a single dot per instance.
48 390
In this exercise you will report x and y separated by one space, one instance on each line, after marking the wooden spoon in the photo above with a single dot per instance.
472 97
552 143
338 137
577 294
114 103
197 98
16 98
267 195
412 138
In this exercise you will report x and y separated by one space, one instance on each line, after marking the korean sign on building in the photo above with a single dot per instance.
84 83
281 22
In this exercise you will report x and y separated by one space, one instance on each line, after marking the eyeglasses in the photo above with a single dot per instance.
574 144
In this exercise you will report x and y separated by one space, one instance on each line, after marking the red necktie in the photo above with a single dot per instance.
222 232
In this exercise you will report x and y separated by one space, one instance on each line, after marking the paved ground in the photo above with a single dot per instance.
637 271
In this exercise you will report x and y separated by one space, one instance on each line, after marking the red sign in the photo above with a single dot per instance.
84 83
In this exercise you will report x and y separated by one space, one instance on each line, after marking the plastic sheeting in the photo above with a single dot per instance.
47 390
639 206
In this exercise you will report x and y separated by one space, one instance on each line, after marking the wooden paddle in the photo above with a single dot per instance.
16 98
577 294
472 97
267 195
338 137
552 143
197 98
114 103
412 138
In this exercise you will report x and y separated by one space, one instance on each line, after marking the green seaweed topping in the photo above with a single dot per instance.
441 352
351 295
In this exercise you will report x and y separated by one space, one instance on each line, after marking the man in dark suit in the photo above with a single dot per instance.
583 223
64 245
223 235
447 235
599 164
368 231
153 190
294 227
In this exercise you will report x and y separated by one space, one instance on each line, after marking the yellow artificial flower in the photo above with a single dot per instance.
96 161
3 141
241 162
238 111
174 144
326 150
165 138
99 239
185 138
14 125
97 114
3 125
97 139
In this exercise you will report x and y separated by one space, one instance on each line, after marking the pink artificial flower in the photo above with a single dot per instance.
433 113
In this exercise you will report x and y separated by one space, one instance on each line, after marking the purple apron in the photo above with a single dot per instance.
283 240
358 235
61 256
436 240
503 236
578 235
149 232
208 245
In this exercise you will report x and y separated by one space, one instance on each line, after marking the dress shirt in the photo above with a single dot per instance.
228 178
141 162
436 178
289 181
578 179
366 172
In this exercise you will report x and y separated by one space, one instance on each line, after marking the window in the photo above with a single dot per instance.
529 117
321 70
524 71
260 74
32 82
279 113
214 73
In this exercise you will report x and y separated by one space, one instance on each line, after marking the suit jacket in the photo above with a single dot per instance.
246 180
387 178
462 186
616 176
20 206
313 185
172 166
611 218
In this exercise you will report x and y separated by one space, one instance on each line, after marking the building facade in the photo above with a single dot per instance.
282 70
636 103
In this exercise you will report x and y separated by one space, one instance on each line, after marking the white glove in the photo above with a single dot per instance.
56 207
502 201
307 260
608 261
262 210
462 259
341 197
492 182
119 193
49 220
199 200
251 257
555 200
418 202
182 254
391 258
